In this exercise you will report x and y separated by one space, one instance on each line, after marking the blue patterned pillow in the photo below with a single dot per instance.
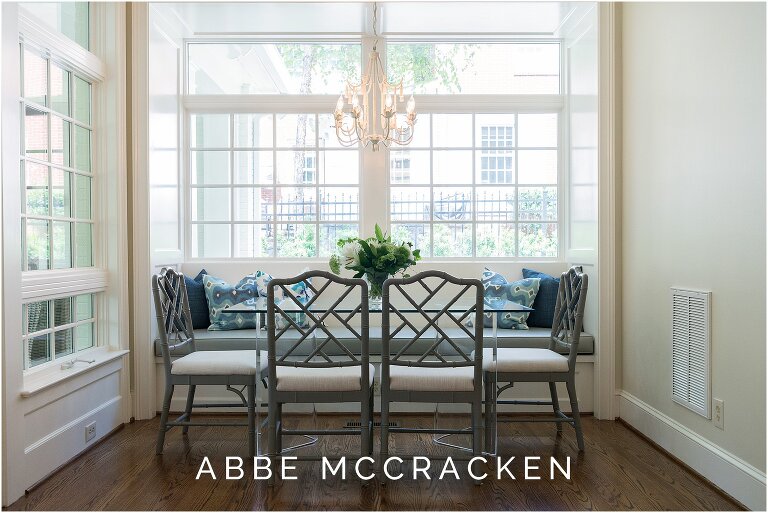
222 295
546 299
303 293
522 292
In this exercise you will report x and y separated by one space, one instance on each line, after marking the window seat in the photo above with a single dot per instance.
234 340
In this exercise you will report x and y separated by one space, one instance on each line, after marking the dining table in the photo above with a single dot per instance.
495 306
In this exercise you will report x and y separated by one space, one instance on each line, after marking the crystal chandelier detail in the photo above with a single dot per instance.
374 97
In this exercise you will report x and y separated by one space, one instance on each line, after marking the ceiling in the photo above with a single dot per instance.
534 19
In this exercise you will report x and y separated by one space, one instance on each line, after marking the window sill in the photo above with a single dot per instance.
48 378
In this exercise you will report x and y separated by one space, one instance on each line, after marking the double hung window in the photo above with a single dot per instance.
57 177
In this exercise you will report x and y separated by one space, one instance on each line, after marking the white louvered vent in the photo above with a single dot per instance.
690 350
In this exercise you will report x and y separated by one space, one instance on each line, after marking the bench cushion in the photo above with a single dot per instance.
333 379
246 339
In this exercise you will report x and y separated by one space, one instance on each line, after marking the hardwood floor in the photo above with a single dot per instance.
618 471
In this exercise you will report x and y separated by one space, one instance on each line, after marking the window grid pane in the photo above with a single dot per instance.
270 185
481 199
56 163
56 328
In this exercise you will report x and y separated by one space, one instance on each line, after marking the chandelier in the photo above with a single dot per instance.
372 104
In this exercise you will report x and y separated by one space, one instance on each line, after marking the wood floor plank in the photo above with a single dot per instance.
618 471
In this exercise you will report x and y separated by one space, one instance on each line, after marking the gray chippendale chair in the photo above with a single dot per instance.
229 368
544 365
447 371
299 369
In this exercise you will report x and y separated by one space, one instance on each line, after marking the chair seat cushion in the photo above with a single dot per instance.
427 379
524 359
218 363
331 379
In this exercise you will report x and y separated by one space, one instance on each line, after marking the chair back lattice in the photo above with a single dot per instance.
415 293
352 293
569 311
174 320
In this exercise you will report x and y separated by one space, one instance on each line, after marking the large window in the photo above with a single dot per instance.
479 181
270 185
478 185
476 68
57 171
271 68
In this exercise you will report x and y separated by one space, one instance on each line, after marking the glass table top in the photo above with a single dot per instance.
350 304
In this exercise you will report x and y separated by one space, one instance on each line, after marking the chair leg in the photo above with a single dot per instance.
251 420
490 414
477 432
164 419
555 404
370 430
365 428
384 434
188 409
575 413
279 430
272 434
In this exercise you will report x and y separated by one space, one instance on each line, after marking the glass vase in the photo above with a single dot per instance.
375 289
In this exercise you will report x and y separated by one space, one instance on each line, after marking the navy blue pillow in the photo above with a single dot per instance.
198 303
544 304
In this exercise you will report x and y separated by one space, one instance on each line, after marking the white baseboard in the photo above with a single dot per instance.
60 446
734 476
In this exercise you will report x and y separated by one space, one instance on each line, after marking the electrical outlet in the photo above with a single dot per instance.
718 414
90 431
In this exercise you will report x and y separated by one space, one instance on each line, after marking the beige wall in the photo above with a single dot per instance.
694 204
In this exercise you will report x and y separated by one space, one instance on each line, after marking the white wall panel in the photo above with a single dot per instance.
694 205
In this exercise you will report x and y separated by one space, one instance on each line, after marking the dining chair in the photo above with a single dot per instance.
229 368
446 371
515 365
298 375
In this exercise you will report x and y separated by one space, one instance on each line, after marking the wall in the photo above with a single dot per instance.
694 213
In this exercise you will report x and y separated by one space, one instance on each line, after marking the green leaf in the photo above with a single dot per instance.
366 249
379 233
334 264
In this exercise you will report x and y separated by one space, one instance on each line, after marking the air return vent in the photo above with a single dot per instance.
690 350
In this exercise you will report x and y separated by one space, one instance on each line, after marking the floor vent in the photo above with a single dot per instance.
691 350
356 424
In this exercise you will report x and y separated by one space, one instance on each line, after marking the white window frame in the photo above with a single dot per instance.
107 171
272 105
316 104
374 167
